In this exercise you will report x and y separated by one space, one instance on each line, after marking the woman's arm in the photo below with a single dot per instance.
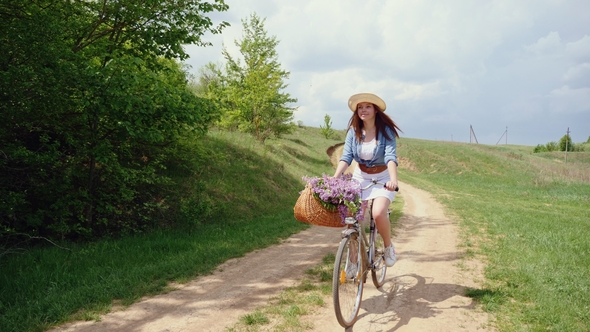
390 149
342 166
347 155
392 169
390 159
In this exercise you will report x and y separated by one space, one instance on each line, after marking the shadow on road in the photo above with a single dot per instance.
409 296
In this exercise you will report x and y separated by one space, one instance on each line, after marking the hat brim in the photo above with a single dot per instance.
354 100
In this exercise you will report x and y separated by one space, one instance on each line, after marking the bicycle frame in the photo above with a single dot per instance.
355 227
348 285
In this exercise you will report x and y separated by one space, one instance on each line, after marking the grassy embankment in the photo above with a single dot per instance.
250 191
527 216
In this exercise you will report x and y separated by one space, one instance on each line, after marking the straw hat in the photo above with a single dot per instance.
366 98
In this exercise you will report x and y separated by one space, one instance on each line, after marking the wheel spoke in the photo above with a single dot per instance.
379 271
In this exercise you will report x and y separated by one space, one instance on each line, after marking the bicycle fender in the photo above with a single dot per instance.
348 232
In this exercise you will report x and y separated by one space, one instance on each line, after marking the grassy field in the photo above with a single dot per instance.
527 216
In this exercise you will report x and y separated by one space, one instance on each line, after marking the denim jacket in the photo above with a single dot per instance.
385 149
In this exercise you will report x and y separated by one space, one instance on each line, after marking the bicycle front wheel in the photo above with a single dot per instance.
379 270
347 283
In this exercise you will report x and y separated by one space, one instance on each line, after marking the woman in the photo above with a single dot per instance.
371 142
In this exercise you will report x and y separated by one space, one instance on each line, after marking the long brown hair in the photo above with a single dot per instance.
382 121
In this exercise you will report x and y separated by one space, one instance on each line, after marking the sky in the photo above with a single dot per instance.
495 72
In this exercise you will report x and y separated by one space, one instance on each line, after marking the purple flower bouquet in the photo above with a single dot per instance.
341 194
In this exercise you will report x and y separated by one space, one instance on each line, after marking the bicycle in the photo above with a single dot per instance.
347 286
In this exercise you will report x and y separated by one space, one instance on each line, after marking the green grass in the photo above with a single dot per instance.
526 216
51 283
529 218
244 198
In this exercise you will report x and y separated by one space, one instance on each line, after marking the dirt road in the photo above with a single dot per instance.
424 290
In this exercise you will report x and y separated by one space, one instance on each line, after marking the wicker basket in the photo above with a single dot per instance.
309 210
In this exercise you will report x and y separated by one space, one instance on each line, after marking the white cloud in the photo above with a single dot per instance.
417 91
565 100
561 102
577 72
550 44
580 49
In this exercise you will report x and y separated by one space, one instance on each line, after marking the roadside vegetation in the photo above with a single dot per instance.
565 144
95 106
287 311
526 216
101 114
112 161
250 192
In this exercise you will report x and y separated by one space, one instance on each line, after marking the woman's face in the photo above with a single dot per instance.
366 111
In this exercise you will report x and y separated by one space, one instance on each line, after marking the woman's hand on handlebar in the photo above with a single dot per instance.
391 185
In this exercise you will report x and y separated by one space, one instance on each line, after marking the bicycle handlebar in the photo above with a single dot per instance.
375 182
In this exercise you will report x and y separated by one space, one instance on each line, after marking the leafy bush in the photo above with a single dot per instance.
552 146
540 148
94 104
564 142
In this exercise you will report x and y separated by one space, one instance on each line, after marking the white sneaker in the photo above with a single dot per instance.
351 270
390 255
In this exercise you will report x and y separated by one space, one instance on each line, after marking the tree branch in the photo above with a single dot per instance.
16 250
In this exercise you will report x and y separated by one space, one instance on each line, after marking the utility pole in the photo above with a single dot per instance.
567 140
505 133
472 134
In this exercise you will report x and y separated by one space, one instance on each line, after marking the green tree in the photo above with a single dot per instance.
207 78
565 143
251 90
92 100
326 129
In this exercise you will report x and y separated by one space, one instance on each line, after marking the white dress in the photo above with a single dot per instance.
365 178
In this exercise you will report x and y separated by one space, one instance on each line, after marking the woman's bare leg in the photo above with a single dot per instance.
380 206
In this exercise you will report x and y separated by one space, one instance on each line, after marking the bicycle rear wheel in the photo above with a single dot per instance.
347 286
379 270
